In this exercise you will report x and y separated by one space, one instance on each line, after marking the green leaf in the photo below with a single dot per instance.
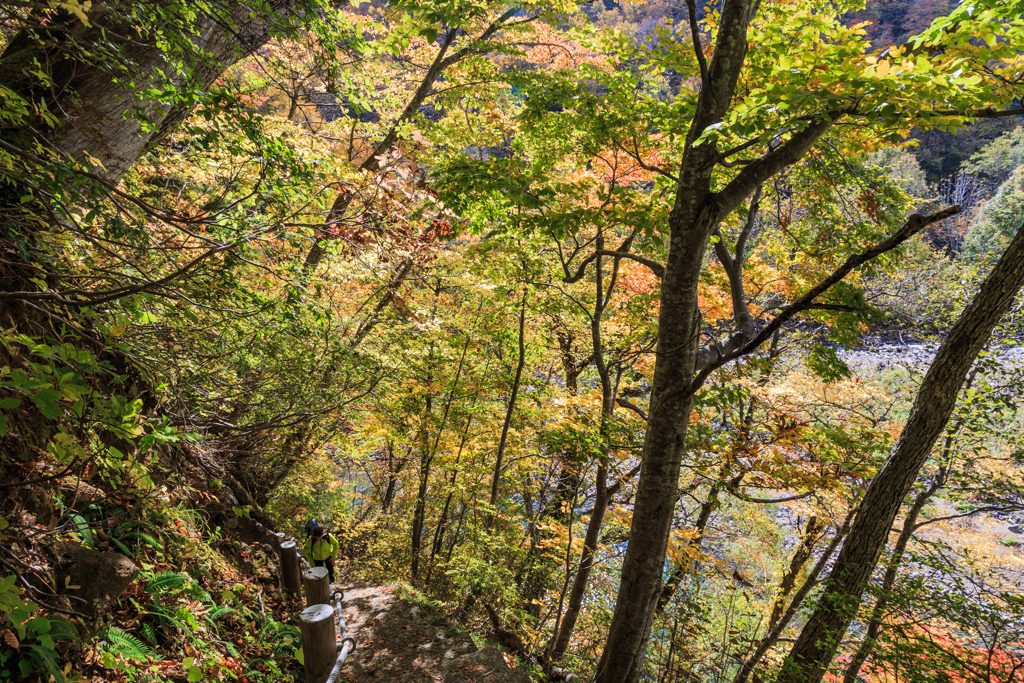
826 364
45 401
8 403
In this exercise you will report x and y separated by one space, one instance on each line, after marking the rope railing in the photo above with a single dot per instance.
346 644
323 652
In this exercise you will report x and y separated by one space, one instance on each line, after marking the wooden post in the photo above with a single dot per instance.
316 586
319 650
290 580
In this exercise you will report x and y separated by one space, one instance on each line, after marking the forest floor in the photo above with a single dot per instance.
398 640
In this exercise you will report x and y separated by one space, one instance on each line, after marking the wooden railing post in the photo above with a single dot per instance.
316 586
319 649
290 580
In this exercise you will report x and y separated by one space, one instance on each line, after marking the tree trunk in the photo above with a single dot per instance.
496 478
691 223
394 469
775 632
706 508
101 105
442 524
697 212
800 557
426 458
936 398
875 622
592 535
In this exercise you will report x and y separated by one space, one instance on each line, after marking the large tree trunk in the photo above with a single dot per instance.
101 101
694 216
664 446
852 672
936 398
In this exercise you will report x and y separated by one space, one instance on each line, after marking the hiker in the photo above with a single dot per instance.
320 549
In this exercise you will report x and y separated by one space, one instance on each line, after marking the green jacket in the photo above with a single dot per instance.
320 549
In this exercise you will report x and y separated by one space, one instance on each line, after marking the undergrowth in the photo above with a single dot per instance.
201 609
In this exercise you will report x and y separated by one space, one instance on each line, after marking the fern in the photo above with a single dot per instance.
138 535
219 611
61 629
127 645
136 523
122 547
150 633
231 649
165 615
283 638
45 660
166 581
82 527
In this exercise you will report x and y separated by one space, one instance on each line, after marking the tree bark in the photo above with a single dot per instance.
706 508
426 459
936 398
101 105
888 581
775 632
496 478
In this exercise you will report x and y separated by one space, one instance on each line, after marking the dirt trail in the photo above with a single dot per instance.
399 641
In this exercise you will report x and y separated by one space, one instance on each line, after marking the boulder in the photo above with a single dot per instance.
98 578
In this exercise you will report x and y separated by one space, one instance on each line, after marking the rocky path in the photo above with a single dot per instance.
399 641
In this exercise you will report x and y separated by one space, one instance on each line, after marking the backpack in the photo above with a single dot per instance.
311 527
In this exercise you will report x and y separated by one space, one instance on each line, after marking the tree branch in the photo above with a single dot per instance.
629 405
621 252
735 347
750 499
786 154
698 49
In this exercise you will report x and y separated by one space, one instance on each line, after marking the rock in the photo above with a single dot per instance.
487 664
78 492
227 496
95 577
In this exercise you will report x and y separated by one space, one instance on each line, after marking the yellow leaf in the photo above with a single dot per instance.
883 68
79 10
